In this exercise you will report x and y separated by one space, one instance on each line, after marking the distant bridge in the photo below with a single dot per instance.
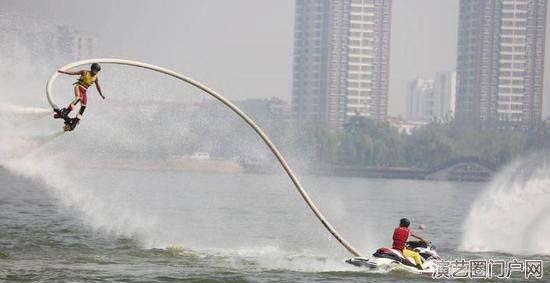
463 169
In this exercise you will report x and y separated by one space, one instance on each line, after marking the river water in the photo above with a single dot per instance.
63 221
139 226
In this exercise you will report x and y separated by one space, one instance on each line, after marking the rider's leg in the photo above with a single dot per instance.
83 102
78 90
415 255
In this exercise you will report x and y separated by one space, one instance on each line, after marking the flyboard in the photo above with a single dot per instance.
231 106
67 121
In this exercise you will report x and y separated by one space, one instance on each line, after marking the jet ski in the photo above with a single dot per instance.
387 259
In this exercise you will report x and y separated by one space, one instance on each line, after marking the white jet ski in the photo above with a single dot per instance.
387 259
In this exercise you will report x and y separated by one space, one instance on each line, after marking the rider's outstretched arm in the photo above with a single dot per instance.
81 72
420 238
98 87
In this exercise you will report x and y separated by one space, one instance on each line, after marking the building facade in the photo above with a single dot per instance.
500 62
420 100
432 99
445 93
341 60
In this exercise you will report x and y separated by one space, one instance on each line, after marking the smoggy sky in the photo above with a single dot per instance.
243 48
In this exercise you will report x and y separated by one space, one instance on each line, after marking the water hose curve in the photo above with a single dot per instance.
227 103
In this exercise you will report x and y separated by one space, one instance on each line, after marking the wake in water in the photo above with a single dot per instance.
513 214
36 148
10 109
15 140
13 115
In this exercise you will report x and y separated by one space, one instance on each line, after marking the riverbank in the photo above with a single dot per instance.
461 171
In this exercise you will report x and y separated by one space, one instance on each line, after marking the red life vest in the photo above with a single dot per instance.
400 236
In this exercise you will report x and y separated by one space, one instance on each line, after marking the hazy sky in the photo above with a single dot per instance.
243 48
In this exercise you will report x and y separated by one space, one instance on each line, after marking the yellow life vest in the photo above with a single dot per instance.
87 79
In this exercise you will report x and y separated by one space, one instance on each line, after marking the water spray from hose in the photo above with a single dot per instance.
231 106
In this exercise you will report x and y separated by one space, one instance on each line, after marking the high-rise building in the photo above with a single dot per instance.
500 61
445 94
432 99
84 45
341 60
75 44
420 100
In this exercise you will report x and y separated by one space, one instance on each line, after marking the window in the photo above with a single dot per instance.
521 6
504 107
517 98
366 68
516 107
519 74
504 90
506 48
507 32
366 60
521 14
519 65
517 82
517 90
506 57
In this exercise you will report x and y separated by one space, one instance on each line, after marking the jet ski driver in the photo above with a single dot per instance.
400 236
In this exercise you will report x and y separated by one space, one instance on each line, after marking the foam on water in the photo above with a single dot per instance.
14 139
35 157
59 161
271 257
131 126
513 214
33 145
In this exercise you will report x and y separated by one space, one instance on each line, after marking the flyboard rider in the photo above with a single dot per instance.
87 78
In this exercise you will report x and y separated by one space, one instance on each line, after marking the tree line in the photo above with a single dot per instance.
359 142
366 142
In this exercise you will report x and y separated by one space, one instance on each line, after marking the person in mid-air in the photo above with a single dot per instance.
87 78
401 235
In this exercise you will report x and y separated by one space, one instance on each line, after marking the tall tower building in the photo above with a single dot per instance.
432 99
341 60
421 100
445 93
84 45
500 61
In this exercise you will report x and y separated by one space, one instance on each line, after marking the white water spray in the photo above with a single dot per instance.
231 106
27 149
513 214
13 115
